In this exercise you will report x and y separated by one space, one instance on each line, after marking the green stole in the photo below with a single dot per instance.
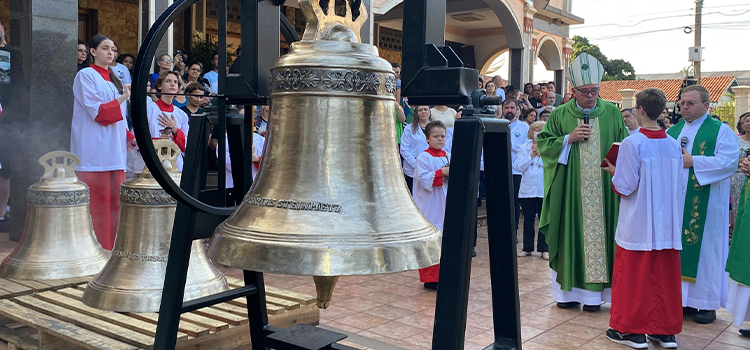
696 197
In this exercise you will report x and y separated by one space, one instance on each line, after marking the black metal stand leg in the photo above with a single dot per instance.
256 310
455 264
500 222
182 239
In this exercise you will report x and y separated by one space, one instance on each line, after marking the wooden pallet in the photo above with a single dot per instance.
10 288
55 318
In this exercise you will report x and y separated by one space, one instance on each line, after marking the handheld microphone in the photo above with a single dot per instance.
683 141
586 121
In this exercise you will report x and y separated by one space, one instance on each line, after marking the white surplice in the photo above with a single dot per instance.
430 199
153 111
709 292
649 178
99 147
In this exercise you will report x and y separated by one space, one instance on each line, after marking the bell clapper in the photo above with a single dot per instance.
324 286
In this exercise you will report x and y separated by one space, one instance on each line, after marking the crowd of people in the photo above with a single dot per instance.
646 229
101 135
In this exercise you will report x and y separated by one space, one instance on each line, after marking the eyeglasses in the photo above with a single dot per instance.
195 69
591 92
167 60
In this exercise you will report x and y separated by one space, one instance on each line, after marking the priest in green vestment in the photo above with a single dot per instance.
580 209
738 302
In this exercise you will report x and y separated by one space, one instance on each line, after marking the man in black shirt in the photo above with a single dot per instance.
536 97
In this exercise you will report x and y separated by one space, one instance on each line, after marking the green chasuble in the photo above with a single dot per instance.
580 209
739 258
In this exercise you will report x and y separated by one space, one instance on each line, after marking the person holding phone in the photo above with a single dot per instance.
531 192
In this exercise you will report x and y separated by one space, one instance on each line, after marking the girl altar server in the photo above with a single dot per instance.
164 117
431 187
99 136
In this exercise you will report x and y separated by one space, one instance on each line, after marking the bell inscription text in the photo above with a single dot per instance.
292 204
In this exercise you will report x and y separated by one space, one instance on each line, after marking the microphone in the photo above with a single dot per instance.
586 121
683 141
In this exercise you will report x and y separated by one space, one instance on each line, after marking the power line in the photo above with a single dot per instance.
691 9
657 18
617 36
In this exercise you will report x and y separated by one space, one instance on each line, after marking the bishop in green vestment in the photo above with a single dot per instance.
580 209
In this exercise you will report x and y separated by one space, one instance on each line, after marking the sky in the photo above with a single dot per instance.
649 33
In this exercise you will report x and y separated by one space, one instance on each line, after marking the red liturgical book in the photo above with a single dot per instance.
612 155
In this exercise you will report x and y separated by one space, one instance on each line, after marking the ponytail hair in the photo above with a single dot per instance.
94 43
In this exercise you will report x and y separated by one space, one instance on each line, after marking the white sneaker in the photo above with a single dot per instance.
523 253
545 256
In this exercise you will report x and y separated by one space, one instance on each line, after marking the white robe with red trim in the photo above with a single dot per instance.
649 178
154 111
98 134
429 188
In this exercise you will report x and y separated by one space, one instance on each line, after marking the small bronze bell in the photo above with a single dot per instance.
330 199
133 278
58 240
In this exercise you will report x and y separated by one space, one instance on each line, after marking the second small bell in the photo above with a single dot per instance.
133 279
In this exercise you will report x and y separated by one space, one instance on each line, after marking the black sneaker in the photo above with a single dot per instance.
665 341
635 341
745 332
705 316
687 310
473 253
431 285
568 305
592 308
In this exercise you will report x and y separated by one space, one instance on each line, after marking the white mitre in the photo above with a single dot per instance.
585 70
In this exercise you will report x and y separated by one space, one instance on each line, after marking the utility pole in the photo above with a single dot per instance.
698 18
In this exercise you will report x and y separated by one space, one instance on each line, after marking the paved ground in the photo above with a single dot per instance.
396 312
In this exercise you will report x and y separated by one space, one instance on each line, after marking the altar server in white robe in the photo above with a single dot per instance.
163 115
646 273
709 159
99 137
430 188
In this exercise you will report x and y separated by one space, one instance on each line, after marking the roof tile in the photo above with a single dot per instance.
716 87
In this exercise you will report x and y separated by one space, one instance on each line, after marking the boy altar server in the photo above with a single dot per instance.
646 273
431 187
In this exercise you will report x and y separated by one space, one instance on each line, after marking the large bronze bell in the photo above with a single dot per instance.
330 198
133 278
58 240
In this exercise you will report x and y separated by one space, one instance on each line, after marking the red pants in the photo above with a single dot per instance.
104 188
646 292
429 274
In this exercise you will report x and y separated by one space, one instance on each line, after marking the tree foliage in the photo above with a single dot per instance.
201 50
725 109
617 69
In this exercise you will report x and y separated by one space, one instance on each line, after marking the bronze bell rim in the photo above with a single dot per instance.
111 298
13 268
360 258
